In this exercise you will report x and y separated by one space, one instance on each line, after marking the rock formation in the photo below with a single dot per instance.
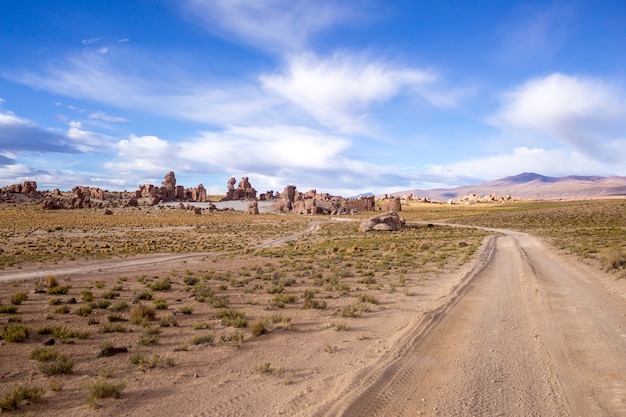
253 207
388 221
244 190
169 191
392 205
28 188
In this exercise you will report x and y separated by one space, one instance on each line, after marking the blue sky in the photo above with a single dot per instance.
345 97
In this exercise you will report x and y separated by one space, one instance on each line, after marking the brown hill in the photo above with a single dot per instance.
531 186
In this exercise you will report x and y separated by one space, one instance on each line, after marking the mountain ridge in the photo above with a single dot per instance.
533 186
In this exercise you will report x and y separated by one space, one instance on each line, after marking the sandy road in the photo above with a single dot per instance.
524 333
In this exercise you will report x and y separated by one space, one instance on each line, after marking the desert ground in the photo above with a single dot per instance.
497 309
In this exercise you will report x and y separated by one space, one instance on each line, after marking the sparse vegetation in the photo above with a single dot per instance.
15 332
52 361
12 400
336 275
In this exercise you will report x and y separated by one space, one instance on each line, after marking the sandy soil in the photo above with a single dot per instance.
521 331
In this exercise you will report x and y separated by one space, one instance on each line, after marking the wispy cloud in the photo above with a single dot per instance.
338 91
536 33
275 25
586 114
100 115
90 41
129 81
17 134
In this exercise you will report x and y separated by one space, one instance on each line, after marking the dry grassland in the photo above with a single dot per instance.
84 341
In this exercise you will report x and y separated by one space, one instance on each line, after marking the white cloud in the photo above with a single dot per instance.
89 41
103 50
275 25
88 141
338 91
277 148
138 83
148 154
584 114
100 115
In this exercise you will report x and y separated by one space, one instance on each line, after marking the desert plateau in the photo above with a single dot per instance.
503 307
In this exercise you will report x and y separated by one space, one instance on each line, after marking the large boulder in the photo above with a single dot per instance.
253 207
388 221
393 205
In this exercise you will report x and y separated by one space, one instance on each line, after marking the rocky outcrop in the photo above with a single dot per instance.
388 221
28 188
51 203
244 190
395 204
169 191
253 207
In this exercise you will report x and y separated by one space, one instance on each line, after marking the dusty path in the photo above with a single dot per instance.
525 333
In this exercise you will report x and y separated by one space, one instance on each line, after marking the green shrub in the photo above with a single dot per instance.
119 306
86 296
51 361
160 304
232 317
15 332
59 289
104 389
8 309
115 317
190 280
354 310
167 321
109 295
313 303
112 328
144 295
12 400
62 332
18 298
145 362
64 309
206 339
162 285
142 312
186 309
84 311
367 298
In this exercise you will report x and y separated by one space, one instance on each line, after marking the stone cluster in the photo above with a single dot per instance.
244 190
291 201
28 188
168 191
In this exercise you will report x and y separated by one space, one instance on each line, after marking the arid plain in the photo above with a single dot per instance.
156 310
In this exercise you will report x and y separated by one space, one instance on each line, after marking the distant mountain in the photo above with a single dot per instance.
368 194
531 186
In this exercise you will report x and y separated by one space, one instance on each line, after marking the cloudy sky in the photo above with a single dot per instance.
342 96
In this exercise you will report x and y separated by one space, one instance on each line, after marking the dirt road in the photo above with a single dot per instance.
525 333
136 262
